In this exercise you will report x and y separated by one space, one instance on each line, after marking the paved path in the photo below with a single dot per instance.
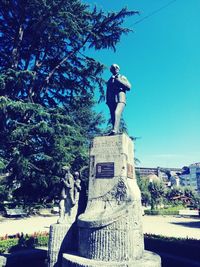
162 225
27 225
173 226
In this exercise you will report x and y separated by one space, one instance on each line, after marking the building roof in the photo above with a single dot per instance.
197 164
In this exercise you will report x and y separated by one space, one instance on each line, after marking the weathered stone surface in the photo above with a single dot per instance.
116 149
63 235
110 229
106 195
3 261
149 259
61 239
122 234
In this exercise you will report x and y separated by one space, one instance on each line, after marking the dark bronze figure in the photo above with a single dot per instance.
117 86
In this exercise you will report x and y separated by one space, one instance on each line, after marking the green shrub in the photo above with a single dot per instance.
191 241
6 244
172 210
161 212
21 241
42 241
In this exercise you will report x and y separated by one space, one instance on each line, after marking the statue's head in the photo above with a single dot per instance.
66 168
114 69
76 175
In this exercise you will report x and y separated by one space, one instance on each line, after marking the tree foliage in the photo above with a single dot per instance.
42 49
143 184
37 143
155 194
47 83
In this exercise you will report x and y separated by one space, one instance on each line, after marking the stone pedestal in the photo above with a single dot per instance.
57 243
63 237
110 230
149 259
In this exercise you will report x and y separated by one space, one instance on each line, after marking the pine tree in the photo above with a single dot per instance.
47 84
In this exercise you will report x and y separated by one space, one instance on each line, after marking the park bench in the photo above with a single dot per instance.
45 212
55 210
189 212
16 212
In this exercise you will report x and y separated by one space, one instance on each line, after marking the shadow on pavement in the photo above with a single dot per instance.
29 257
188 224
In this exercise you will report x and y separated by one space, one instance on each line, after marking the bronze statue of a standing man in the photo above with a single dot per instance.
117 86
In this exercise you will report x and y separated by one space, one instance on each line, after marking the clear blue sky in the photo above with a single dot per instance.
162 61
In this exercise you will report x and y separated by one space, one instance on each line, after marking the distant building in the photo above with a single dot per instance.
192 177
170 176
143 172
187 176
174 178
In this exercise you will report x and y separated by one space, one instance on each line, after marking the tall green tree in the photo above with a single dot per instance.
156 190
143 183
47 83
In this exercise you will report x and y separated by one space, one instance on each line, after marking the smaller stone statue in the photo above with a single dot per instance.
77 186
117 86
69 195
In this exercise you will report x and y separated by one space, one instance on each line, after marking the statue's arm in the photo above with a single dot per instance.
78 185
68 183
123 81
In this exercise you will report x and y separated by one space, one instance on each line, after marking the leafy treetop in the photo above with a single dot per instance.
47 83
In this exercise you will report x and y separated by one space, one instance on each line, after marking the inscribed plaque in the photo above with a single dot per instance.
129 170
105 170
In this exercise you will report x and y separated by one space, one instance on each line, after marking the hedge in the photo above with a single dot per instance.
182 247
21 241
161 212
165 211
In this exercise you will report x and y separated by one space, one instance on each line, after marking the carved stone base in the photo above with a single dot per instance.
149 259
118 239
110 229
60 240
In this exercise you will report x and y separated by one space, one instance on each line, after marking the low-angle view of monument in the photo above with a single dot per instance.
109 232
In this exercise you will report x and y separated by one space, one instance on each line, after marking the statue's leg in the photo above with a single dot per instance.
112 107
118 113
61 211
71 195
